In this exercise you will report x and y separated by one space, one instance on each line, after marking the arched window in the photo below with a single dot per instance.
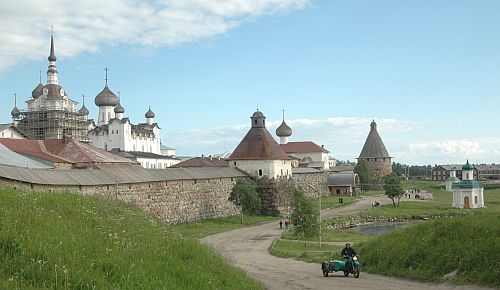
260 172
475 199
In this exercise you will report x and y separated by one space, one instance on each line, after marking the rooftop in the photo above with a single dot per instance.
258 144
303 147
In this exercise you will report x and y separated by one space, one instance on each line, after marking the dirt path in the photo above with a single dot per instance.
248 249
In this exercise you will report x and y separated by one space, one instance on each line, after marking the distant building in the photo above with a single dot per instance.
259 154
308 153
468 193
442 172
488 171
376 155
167 151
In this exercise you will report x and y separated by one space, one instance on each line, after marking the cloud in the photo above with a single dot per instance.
87 26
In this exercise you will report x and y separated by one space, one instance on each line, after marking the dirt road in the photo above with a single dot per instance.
248 249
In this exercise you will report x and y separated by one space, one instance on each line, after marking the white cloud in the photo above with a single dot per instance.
86 26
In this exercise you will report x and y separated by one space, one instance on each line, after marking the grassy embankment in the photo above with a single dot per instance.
478 230
51 241
470 245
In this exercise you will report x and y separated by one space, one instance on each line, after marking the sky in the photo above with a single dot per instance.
427 71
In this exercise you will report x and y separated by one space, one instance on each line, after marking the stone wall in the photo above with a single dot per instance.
275 195
317 179
171 201
379 169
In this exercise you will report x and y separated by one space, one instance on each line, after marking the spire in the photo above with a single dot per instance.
283 110
52 56
40 75
52 76
15 113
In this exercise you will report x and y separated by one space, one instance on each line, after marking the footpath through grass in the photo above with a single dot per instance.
66 241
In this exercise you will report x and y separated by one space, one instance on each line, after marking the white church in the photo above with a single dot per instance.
468 193
114 132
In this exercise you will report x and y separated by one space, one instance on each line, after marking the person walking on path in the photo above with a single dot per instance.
281 224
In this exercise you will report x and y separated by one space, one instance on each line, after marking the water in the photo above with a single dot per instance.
377 229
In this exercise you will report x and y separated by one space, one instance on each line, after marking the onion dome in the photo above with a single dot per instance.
106 98
15 112
38 91
83 111
467 166
119 108
149 114
284 130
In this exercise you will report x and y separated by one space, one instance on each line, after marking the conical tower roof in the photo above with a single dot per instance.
374 146
258 144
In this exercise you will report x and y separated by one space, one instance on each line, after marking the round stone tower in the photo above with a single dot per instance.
375 154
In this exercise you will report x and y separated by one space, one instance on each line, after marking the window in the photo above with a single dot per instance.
255 122
260 172
475 199
338 191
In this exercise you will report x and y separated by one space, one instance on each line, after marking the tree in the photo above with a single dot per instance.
245 196
364 176
305 216
392 187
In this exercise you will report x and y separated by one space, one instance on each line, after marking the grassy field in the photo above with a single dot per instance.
470 245
209 227
65 241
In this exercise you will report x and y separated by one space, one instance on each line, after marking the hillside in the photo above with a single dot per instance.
51 240
468 245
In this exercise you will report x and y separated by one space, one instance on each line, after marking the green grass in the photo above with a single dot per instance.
62 241
427 251
312 253
209 227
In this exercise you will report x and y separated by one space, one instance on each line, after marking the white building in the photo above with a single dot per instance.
116 133
8 131
259 155
309 153
452 179
467 193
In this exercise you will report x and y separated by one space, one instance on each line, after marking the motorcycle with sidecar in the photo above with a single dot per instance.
349 265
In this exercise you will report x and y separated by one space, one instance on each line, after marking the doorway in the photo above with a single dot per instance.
466 202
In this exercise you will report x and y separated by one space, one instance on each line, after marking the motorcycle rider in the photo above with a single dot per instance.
347 254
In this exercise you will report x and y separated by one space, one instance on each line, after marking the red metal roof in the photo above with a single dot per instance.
258 144
34 148
79 152
62 151
303 147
